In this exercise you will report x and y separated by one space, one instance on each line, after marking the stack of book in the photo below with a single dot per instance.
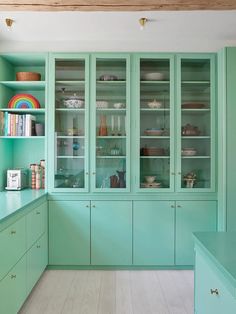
12 124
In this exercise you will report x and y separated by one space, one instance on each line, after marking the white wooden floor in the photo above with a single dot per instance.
112 292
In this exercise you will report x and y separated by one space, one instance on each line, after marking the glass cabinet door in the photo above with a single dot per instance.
155 124
71 125
111 120
196 123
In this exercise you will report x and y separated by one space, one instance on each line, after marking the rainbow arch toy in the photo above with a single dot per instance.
23 101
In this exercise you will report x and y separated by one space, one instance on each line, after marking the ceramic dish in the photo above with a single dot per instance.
102 104
150 185
189 152
153 132
73 102
150 179
154 104
107 77
153 76
119 105
192 105
152 151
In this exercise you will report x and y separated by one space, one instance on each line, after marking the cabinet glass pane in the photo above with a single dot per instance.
111 120
195 123
154 123
70 130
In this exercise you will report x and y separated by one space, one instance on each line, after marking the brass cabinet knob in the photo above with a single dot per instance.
93 206
13 232
87 206
13 276
214 291
179 206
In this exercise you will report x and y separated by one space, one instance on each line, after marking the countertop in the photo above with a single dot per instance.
12 201
221 248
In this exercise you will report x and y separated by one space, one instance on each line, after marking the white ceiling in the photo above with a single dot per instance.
118 31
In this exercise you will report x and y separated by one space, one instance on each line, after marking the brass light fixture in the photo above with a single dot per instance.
142 22
9 23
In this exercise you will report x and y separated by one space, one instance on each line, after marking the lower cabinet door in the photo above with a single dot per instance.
192 216
37 260
153 232
13 288
69 232
211 295
111 233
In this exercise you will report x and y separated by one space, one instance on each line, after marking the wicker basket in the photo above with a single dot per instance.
28 76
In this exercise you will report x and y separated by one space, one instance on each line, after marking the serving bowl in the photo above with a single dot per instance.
153 132
119 105
189 151
102 104
73 102
154 104
153 76
150 179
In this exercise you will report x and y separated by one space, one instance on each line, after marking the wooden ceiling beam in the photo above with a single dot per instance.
116 5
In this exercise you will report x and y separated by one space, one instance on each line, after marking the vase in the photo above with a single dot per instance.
121 178
103 126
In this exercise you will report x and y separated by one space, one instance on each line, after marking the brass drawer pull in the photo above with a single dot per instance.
87 205
13 276
93 206
172 206
38 246
13 232
37 213
215 291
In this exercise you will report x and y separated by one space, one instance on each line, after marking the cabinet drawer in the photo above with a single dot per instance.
13 288
37 259
36 222
12 245
211 294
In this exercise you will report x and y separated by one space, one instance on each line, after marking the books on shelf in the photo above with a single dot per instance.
12 124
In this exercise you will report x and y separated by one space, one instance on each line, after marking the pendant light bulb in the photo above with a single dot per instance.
9 23
142 22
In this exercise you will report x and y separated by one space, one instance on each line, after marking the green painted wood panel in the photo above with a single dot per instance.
230 137
12 245
37 260
111 233
36 223
69 233
192 216
153 233
206 278
13 289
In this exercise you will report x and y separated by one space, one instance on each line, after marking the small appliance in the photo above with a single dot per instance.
16 179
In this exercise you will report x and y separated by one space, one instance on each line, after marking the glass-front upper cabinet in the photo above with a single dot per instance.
71 99
155 144
196 116
111 134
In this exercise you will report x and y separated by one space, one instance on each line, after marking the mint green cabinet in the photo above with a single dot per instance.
153 232
12 245
36 222
69 127
69 232
196 107
111 232
192 216
212 295
23 145
13 288
37 260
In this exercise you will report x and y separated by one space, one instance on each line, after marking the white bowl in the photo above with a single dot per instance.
150 179
102 104
189 152
73 103
153 76
154 104
119 105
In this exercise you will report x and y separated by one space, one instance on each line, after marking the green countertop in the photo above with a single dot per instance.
221 248
12 201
